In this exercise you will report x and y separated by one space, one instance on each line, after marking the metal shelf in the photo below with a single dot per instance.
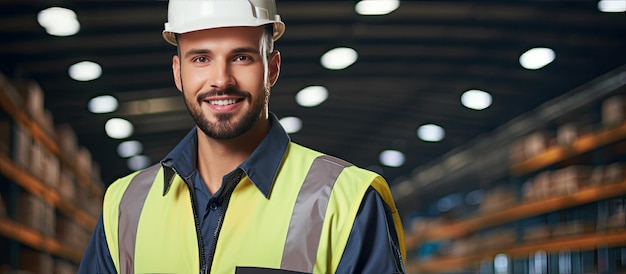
37 188
30 237
581 242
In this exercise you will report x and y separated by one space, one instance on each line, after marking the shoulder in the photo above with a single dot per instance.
349 171
116 189
121 183
349 177
297 150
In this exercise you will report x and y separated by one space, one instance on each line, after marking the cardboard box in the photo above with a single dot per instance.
497 199
570 179
67 231
84 160
67 141
613 111
597 176
496 239
517 151
48 225
10 91
47 124
94 206
567 134
71 233
536 142
67 185
528 191
51 169
22 143
463 246
536 233
30 211
541 186
33 100
36 159
614 173
570 228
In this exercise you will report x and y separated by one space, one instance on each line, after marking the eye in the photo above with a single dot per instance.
242 58
200 59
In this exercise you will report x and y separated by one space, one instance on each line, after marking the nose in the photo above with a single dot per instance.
221 75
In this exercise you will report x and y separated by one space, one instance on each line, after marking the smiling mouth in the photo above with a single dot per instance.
224 102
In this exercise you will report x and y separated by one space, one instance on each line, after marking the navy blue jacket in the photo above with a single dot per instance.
372 245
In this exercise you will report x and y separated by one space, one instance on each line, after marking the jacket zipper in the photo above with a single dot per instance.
220 220
203 267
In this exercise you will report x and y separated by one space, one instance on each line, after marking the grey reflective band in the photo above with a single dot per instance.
305 227
307 219
129 211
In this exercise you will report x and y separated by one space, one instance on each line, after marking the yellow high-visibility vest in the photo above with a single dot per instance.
303 225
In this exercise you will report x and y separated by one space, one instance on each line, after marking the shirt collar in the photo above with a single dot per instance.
261 167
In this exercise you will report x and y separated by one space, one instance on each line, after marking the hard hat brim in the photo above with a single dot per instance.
169 34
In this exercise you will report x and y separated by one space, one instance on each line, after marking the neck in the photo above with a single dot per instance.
217 158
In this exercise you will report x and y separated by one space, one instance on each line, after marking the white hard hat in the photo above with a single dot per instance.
191 15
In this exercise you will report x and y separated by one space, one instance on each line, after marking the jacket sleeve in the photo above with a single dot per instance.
373 242
97 258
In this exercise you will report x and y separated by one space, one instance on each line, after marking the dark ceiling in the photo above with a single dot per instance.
413 66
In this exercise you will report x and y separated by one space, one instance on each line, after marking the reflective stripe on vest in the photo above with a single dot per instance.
305 226
307 219
129 211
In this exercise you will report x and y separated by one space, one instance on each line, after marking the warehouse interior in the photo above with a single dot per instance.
530 180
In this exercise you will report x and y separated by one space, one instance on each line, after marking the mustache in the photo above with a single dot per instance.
231 91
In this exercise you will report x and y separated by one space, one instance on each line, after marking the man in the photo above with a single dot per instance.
235 195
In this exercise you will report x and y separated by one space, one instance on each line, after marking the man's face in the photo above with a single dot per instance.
224 79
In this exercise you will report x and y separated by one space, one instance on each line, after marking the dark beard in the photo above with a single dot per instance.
225 128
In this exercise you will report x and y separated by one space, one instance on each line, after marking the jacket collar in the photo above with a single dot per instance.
261 167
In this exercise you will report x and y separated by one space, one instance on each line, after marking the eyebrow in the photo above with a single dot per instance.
207 51
197 52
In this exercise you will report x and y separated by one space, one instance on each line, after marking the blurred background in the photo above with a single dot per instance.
499 125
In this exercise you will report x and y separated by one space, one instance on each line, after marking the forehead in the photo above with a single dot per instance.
233 36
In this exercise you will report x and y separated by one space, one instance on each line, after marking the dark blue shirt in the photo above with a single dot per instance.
372 245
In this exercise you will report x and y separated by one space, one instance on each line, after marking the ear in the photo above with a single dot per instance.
176 72
273 68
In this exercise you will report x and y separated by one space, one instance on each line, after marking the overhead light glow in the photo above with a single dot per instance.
138 162
291 124
339 58
85 71
376 7
476 99
311 96
102 104
536 58
391 158
431 133
444 204
474 197
118 128
129 148
501 263
58 21
612 5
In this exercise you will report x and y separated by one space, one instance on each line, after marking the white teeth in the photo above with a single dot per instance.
222 102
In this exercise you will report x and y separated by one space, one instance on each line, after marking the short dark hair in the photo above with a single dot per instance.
268 39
